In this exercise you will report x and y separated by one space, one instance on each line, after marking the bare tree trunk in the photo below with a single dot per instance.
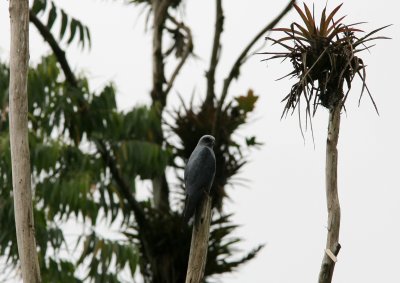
160 8
332 243
20 159
199 244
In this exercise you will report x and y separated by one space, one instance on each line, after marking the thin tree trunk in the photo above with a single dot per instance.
160 8
332 243
20 159
199 244
159 16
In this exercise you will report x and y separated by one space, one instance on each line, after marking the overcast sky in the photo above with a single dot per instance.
284 202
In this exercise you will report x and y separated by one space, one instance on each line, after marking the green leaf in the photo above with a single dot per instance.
81 34
52 16
64 23
251 141
88 36
73 26
38 6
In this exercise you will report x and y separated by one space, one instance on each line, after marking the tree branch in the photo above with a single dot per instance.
58 52
123 186
234 73
188 50
124 189
70 77
219 27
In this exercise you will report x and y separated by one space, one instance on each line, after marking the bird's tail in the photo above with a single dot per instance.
190 208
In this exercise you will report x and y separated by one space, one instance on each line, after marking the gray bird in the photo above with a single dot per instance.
199 174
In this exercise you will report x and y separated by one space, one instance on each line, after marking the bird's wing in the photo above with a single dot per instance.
200 170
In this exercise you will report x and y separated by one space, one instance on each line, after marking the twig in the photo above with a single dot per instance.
242 57
219 27
188 50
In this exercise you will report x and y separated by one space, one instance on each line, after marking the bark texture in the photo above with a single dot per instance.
20 158
332 243
199 244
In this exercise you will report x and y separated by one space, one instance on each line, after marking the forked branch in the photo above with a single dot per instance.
185 55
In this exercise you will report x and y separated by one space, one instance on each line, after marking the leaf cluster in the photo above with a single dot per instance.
169 248
323 56
107 258
220 247
75 27
70 177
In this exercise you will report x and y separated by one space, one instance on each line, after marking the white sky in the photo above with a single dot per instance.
284 203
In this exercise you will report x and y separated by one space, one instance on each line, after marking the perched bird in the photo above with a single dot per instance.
199 174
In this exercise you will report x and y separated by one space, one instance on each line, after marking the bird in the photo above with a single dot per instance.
199 174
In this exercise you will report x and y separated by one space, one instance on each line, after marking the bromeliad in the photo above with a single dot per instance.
323 57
